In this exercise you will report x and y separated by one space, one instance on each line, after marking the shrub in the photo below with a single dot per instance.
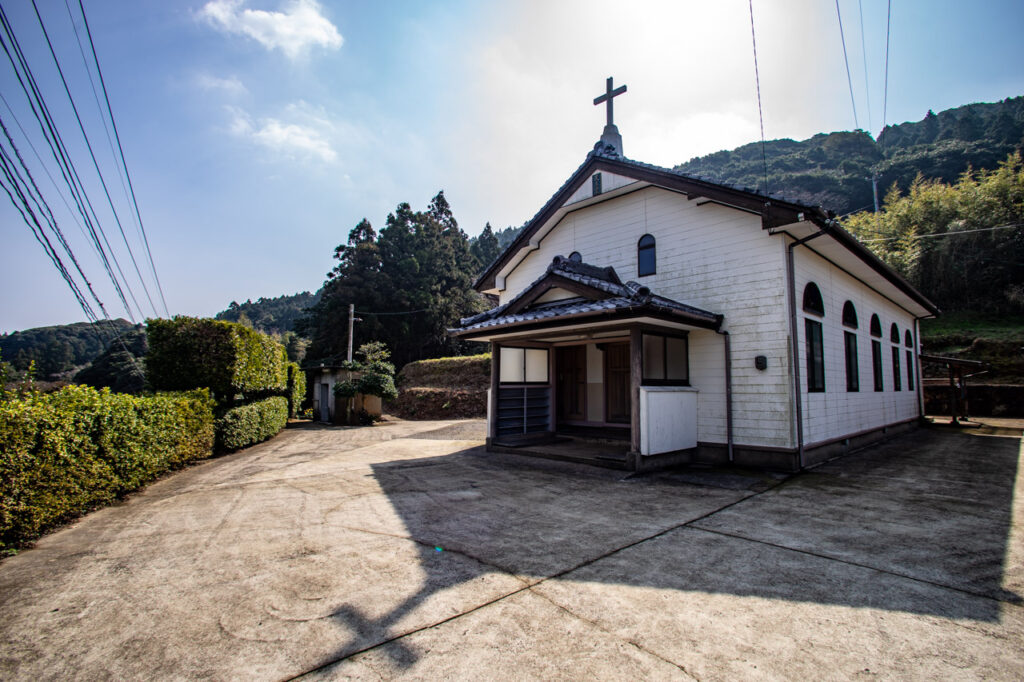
344 390
227 358
247 425
382 385
64 453
296 389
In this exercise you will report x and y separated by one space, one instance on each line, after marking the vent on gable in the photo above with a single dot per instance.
595 184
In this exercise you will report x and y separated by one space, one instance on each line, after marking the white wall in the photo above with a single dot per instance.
668 419
836 412
709 256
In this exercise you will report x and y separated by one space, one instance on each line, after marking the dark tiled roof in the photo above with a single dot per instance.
630 296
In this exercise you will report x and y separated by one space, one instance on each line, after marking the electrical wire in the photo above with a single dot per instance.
849 79
760 112
128 175
864 55
885 97
941 234
60 154
92 155
407 312
22 188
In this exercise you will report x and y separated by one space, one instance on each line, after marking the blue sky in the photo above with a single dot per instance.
259 132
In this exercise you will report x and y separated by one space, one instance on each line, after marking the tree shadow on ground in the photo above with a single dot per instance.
918 525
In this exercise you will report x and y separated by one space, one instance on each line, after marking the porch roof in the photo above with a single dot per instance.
601 296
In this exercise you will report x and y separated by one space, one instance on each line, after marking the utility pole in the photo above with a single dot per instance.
874 188
351 321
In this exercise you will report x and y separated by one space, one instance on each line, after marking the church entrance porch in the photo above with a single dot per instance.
581 358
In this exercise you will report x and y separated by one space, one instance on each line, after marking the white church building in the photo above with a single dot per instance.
694 322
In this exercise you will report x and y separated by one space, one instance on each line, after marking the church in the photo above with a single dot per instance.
693 322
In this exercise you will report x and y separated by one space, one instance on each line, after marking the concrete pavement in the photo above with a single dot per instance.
406 551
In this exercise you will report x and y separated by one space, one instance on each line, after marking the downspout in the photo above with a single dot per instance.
917 368
798 403
728 391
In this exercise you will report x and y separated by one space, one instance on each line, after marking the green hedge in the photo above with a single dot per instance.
64 453
296 389
227 358
247 425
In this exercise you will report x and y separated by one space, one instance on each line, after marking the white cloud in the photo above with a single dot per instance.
286 138
230 86
293 31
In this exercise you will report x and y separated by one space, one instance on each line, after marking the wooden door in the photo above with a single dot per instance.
616 381
571 373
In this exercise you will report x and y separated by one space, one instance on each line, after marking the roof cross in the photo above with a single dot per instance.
609 93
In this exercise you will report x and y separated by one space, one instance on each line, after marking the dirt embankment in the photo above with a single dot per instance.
443 388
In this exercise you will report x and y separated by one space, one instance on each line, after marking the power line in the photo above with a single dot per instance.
757 81
885 98
941 234
407 312
60 154
92 155
17 185
849 80
864 55
113 123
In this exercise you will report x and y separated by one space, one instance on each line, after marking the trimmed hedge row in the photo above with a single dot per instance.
64 453
247 425
226 357
296 389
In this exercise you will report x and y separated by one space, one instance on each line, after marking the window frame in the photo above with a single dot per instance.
852 363
897 378
814 344
876 365
644 380
642 247
524 382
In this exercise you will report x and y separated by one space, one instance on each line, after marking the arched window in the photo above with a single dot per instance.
814 342
908 341
850 343
894 337
849 315
812 300
645 256
575 257
876 352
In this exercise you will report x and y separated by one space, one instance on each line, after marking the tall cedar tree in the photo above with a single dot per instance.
409 284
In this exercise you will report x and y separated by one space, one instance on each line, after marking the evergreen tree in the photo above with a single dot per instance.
409 284
485 248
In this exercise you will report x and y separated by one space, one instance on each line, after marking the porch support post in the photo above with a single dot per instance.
635 373
492 423
551 390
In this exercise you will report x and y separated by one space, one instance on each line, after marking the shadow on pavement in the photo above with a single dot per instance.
919 525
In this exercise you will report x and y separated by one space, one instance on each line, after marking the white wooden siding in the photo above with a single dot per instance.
709 256
836 412
609 181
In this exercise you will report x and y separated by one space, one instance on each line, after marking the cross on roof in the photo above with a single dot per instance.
609 93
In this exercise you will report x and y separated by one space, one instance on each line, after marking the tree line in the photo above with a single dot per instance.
409 283
835 170
961 244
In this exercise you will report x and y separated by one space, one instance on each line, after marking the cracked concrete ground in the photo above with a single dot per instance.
406 551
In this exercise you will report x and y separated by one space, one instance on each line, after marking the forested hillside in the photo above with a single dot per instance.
270 315
60 348
834 170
